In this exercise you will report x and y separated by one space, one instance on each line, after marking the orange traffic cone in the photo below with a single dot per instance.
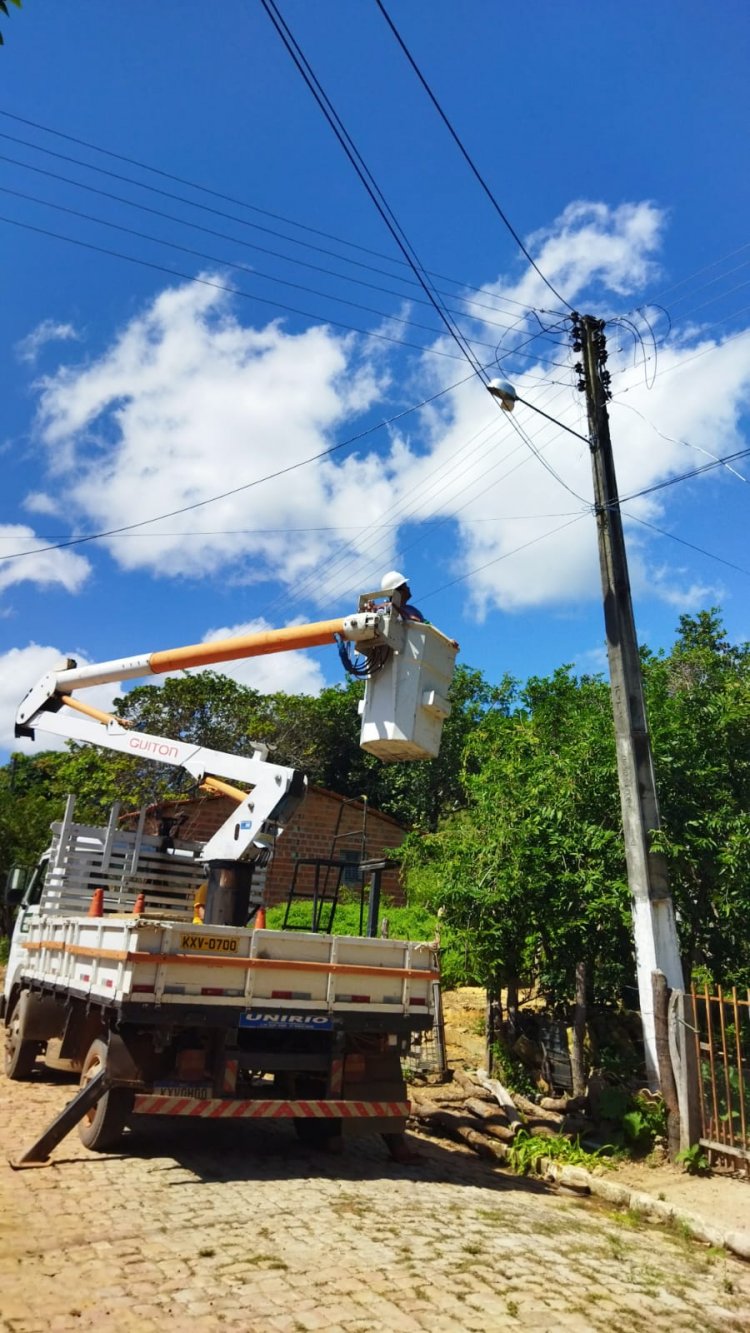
96 906
140 904
260 919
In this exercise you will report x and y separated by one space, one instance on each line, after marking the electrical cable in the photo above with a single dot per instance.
228 263
505 556
715 347
466 155
233 291
705 268
339 559
365 175
217 194
276 532
683 542
684 476
271 476
251 245
671 440
720 277
408 509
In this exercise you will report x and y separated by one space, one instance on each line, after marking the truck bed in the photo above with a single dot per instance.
120 960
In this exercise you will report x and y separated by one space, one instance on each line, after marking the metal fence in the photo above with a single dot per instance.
426 1054
722 1043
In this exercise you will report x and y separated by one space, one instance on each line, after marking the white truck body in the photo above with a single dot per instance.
110 972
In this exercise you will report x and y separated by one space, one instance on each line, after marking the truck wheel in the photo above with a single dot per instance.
102 1126
20 1055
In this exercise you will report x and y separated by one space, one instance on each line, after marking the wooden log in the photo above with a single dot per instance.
457 1126
535 1112
471 1087
501 1095
541 1129
564 1104
486 1110
438 1093
497 1131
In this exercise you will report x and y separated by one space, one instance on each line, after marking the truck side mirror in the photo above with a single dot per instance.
15 885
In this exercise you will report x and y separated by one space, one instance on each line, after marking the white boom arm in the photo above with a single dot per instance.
276 790
404 707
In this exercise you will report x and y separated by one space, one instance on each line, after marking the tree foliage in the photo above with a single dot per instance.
317 735
517 826
531 871
4 9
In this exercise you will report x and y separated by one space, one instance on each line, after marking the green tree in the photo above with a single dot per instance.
532 871
699 707
4 9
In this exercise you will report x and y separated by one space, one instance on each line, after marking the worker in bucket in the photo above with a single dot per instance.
394 582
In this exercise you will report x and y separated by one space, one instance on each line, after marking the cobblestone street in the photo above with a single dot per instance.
216 1227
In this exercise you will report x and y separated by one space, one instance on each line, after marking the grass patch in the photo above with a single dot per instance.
526 1149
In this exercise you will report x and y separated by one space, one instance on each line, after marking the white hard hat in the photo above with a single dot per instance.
392 580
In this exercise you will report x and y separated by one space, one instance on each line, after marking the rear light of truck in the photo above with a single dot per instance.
282 994
211 990
143 990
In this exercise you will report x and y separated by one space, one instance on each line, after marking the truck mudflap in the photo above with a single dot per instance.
232 1108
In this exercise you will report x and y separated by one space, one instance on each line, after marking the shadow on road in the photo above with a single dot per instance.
270 1151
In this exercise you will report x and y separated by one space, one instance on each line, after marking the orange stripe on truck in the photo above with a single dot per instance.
204 960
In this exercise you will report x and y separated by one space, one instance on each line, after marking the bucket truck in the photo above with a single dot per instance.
111 975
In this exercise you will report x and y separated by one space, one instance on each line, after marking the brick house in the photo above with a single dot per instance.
324 825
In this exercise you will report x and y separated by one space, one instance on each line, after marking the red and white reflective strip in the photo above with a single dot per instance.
215 1108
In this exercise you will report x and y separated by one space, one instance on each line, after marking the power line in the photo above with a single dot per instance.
671 440
228 263
466 155
698 272
275 532
271 476
224 287
261 249
409 508
505 556
227 198
715 347
683 542
685 476
366 177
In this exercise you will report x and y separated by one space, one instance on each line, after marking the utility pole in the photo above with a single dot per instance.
655 931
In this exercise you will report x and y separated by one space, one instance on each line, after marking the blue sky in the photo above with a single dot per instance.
613 137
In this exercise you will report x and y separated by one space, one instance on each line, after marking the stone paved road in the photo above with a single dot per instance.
229 1229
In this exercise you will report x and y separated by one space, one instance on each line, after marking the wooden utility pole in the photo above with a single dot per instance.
655 931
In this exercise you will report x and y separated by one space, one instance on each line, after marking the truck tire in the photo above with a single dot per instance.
20 1054
101 1128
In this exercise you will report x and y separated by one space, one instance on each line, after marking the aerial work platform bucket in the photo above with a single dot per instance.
406 703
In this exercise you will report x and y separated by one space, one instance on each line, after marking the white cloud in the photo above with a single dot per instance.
591 244
20 670
48 569
39 502
188 402
48 331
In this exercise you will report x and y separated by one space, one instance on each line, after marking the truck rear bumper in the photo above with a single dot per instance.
233 1108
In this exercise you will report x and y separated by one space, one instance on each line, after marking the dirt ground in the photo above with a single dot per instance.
721 1199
